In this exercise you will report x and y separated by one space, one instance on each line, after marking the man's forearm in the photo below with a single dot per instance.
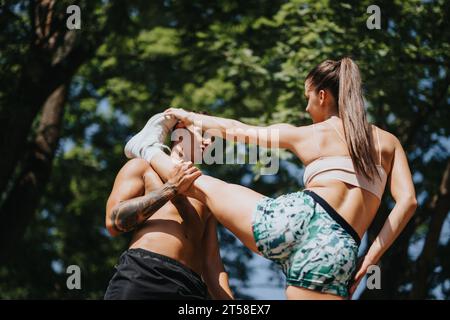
219 287
127 215
225 285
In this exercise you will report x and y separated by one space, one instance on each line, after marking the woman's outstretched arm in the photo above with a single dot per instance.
280 135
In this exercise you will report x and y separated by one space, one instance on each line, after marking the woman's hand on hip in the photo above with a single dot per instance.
361 268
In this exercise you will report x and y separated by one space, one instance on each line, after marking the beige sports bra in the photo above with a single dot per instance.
341 168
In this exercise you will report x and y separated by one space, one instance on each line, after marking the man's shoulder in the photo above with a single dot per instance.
136 166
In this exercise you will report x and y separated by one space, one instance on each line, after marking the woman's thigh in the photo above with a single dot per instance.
233 206
298 293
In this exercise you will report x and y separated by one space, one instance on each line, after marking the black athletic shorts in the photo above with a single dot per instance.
145 275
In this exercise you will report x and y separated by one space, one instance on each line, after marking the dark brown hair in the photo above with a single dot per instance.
343 80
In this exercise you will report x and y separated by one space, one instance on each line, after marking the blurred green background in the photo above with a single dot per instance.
70 99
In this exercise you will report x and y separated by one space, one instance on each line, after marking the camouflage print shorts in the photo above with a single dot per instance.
316 248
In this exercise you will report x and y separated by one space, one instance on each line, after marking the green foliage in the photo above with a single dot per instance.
240 59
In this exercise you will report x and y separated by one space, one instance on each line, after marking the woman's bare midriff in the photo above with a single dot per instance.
168 234
357 206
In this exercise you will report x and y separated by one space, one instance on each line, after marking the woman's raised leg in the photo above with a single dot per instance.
231 204
297 293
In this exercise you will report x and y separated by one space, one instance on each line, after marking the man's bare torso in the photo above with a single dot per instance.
175 230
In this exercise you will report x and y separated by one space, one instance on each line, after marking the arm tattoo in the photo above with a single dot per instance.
127 215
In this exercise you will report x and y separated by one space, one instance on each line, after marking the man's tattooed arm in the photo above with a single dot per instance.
127 215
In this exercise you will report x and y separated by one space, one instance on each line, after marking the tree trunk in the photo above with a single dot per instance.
438 210
55 56
16 125
23 199
37 81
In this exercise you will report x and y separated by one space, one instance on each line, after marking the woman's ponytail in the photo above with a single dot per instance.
357 130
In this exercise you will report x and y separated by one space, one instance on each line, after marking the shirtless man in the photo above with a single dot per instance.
174 251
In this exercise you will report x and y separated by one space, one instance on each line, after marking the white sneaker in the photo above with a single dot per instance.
150 140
